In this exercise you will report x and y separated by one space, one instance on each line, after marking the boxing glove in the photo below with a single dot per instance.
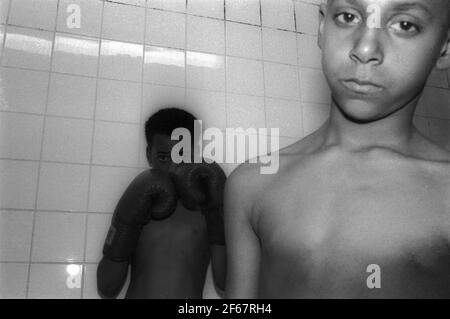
200 186
151 195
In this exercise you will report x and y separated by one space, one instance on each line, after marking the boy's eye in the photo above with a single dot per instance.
405 27
347 18
163 158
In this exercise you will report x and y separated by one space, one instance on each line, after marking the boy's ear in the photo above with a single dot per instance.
443 61
322 14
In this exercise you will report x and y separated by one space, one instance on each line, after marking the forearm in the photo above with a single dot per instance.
216 239
218 265
215 226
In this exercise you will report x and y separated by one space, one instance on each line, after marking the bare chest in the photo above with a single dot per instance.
331 220
182 230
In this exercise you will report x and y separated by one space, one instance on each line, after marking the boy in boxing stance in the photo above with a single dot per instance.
168 224
366 194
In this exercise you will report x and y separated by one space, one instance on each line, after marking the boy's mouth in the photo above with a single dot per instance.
362 87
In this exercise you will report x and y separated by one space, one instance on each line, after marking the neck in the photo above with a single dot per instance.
393 132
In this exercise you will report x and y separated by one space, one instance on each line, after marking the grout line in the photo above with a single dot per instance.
186 54
141 112
60 211
92 149
48 262
141 167
83 267
5 31
300 104
295 16
156 46
68 163
225 63
263 65
41 153
66 32
69 117
124 4
167 86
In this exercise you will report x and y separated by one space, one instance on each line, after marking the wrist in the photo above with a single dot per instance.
212 211
215 225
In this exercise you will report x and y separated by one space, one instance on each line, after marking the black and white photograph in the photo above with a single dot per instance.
225 150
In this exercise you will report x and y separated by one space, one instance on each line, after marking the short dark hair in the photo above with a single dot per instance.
166 120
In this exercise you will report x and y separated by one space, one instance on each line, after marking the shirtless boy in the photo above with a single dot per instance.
169 252
364 189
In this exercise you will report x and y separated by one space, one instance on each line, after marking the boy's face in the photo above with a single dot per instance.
159 154
378 54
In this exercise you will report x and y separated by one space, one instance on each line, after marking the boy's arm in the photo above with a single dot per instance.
218 265
201 185
216 238
243 249
150 195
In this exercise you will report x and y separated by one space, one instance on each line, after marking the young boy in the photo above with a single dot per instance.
360 208
172 254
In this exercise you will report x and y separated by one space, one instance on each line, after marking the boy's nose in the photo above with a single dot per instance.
368 47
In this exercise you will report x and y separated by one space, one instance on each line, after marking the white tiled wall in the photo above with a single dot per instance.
73 103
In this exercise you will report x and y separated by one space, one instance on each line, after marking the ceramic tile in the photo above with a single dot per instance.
27 48
58 237
67 140
63 187
72 96
75 55
81 17
116 144
172 5
21 135
205 71
278 14
23 90
55 281
205 35
281 81
39 14
243 40
164 66
118 101
117 24
121 61
107 186
19 182
206 8
14 280
15 245
245 76
166 29
245 11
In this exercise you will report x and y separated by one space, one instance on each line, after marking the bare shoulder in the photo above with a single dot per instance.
434 161
428 150
243 184
250 177
439 154
434 158
437 164
248 184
